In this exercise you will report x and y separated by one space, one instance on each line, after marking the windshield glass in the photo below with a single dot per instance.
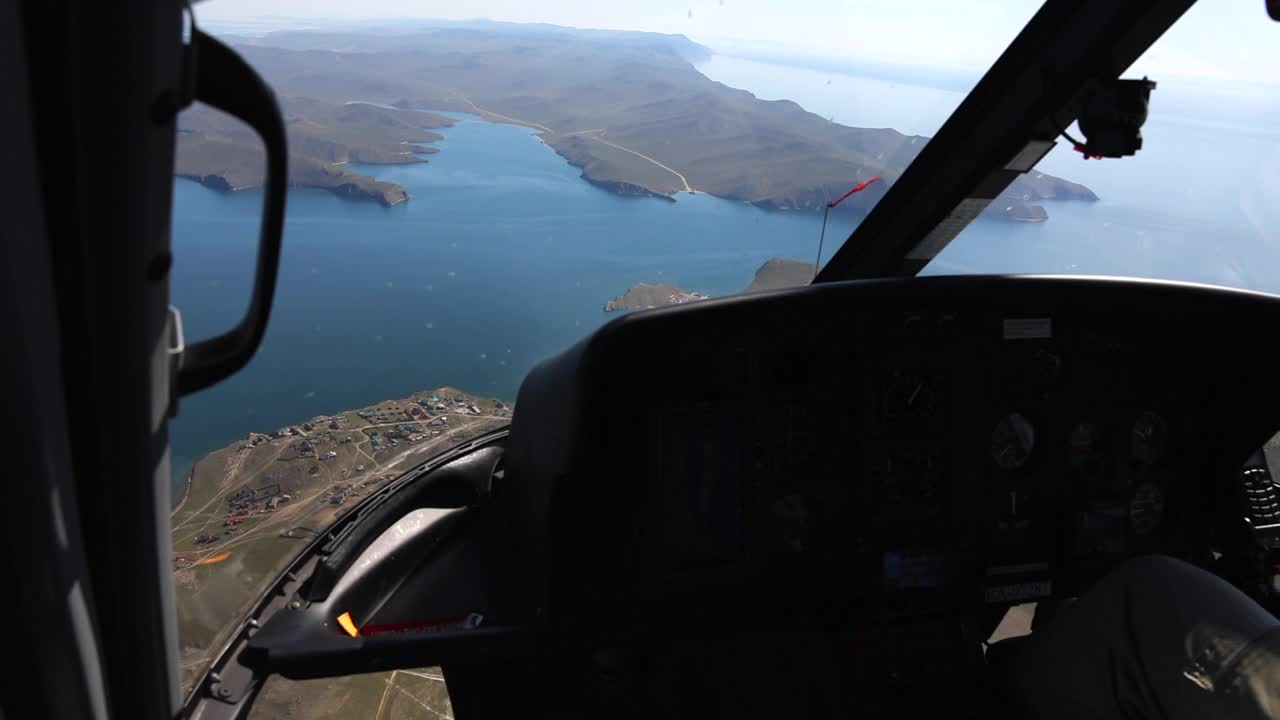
469 196
1197 202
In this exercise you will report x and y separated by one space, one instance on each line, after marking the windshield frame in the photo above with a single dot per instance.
1019 108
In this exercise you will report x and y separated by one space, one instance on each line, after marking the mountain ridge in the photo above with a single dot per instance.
630 110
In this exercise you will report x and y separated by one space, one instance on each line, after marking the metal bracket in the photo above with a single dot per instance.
177 346
229 687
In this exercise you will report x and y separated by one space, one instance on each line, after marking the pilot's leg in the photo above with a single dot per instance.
1157 638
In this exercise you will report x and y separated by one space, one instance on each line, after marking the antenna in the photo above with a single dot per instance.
827 210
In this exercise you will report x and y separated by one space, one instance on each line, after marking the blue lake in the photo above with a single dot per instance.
504 255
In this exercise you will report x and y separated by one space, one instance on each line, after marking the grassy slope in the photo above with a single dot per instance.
613 168
779 273
400 695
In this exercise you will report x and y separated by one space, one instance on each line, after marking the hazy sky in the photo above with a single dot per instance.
1218 39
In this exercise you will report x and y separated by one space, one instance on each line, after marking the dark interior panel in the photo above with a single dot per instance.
886 462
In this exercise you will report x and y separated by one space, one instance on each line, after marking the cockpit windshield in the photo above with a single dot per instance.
1197 202
469 196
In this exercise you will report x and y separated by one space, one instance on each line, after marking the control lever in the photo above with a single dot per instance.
1261 500
1260 495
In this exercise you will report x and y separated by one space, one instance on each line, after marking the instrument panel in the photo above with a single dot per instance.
966 456
872 452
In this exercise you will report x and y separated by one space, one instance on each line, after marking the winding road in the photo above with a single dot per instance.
600 138
592 133
517 121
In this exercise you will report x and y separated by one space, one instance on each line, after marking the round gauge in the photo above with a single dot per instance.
789 517
890 475
928 476
1146 509
1047 366
1012 441
1150 438
799 433
1082 446
909 395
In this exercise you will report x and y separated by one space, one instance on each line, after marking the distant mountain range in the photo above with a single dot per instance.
629 109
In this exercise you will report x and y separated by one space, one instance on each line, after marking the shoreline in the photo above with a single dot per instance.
315 419
191 474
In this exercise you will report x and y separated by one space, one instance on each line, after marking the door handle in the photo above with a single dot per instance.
223 80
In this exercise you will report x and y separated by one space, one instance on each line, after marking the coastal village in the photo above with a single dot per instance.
250 507
396 428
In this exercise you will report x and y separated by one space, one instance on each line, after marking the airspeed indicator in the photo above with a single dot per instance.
1012 441
1146 508
1150 438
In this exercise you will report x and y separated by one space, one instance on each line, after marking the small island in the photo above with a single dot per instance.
644 295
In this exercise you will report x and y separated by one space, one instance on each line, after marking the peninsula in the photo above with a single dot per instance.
220 152
629 109
781 273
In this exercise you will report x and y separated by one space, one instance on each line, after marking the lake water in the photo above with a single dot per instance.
505 256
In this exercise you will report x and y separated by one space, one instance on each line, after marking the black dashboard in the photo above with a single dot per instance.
813 502
897 454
